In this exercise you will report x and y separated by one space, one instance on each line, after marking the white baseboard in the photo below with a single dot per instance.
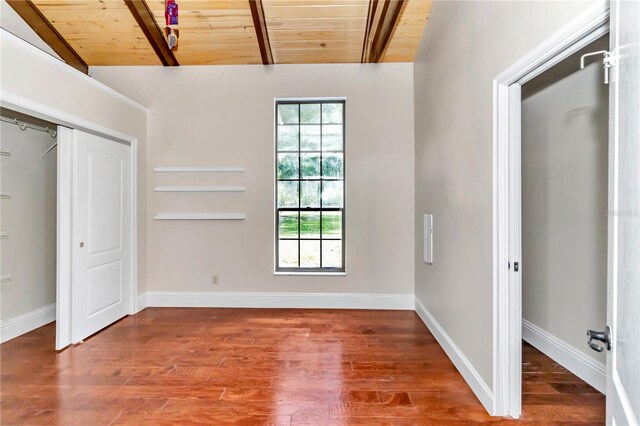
479 387
277 300
17 326
588 369
141 302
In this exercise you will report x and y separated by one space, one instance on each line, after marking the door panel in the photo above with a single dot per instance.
623 387
102 294
106 173
101 286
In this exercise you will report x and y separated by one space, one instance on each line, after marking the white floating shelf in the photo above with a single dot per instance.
200 216
4 236
5 196
200 189
4 153
5 278
199 169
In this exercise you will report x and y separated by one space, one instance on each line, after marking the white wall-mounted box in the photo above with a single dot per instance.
427 235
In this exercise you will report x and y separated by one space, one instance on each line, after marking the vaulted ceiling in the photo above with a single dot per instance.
127 32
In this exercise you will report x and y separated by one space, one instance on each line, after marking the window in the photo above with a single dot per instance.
310 186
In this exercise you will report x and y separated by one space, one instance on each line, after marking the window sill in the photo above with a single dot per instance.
317 274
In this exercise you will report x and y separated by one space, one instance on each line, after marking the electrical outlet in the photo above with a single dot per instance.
214 280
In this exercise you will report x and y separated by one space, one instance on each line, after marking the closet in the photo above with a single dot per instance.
68 229
28 175
565 158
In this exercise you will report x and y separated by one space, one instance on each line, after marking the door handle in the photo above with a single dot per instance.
602 336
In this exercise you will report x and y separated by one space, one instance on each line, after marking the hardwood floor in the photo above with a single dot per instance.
265 366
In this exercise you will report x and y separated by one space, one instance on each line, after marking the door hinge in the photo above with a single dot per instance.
608 60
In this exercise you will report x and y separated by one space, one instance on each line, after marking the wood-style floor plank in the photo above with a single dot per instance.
169 366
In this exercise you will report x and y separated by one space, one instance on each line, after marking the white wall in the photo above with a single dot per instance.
223 116
29 220
465 45
564 204
33 75
12 22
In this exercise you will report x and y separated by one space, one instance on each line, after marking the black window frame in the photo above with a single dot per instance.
320 209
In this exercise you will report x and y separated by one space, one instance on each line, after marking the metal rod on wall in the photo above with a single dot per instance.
50 148
24 126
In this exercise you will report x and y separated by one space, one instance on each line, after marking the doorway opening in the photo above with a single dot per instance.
590 26
28 216
564 199
620 335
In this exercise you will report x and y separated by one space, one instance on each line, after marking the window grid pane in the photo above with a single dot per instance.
320 237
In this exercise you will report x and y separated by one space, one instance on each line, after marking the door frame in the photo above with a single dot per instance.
65 222
507 284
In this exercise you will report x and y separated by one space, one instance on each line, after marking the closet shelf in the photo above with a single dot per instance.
200 189
200 216
200 169
4 153
5 196
5 278
4 236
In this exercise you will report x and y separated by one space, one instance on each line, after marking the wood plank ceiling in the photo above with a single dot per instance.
101 32
213 32
304 31
216 32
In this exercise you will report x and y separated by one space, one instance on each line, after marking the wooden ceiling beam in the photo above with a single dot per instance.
381 23
260 24
144 17
47 32
366 42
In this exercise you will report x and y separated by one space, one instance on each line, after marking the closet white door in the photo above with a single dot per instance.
101 278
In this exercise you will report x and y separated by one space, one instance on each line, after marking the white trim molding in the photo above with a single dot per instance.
27 106
141 302
176 299
588 369
507 291
64 225
17 326
477 384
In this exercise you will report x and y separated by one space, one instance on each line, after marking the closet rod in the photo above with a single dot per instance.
24 126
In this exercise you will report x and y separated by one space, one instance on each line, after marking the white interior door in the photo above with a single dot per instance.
101 279
623 363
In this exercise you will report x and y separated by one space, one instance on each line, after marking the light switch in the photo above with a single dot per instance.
428 238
